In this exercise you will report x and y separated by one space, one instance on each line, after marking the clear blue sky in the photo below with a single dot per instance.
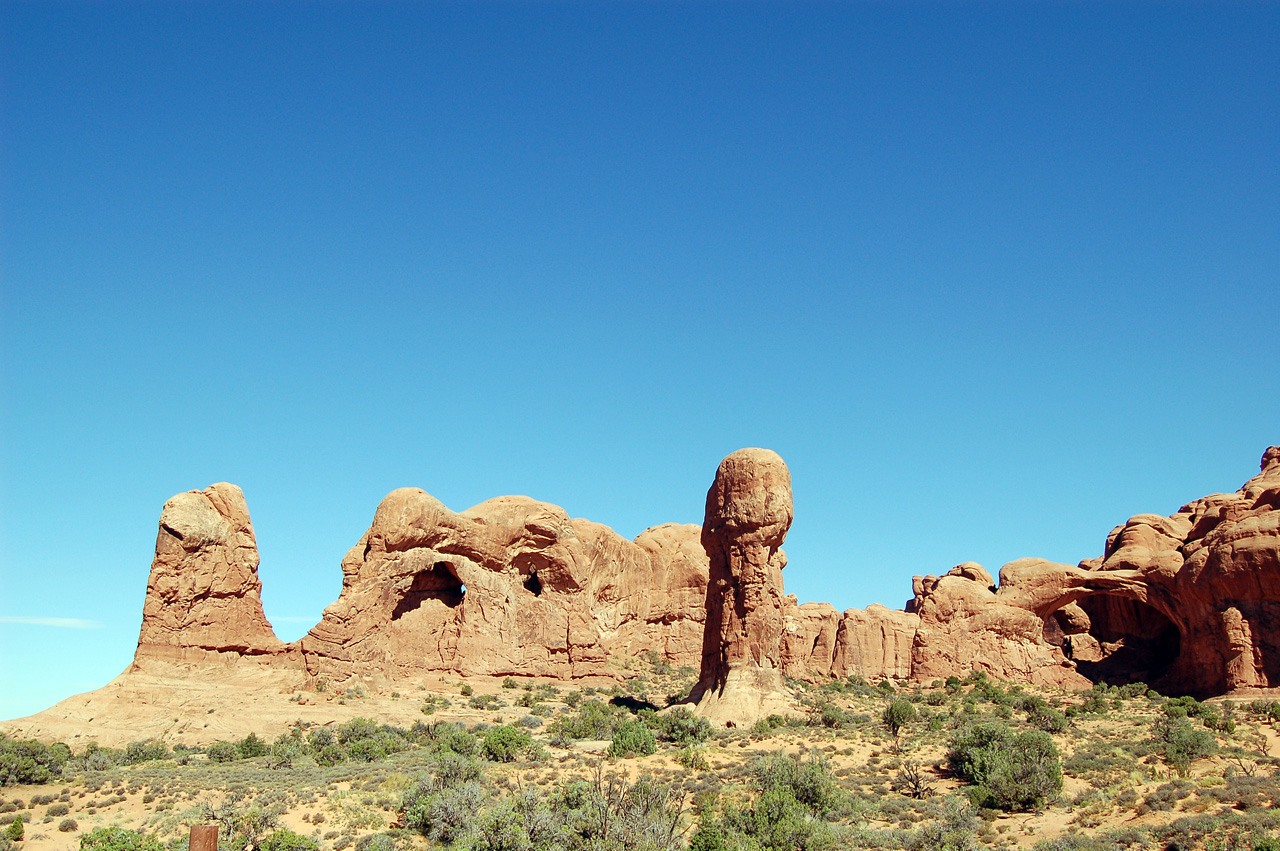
991 278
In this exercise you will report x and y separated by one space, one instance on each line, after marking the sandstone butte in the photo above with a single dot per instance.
1188 603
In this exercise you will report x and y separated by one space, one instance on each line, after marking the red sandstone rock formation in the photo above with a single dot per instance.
511 586
204 595
749 511
871 643
1189 602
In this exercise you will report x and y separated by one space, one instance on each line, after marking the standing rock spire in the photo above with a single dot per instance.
749 511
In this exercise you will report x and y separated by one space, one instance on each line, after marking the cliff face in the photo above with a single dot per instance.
1189 602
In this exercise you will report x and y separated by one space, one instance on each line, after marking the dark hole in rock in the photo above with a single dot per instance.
437 583
1127 641
534 584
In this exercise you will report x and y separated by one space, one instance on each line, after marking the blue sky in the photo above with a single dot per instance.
990 277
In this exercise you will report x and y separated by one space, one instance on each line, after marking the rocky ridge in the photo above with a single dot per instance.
1188 602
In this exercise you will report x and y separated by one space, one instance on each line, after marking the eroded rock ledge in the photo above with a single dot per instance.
1188 602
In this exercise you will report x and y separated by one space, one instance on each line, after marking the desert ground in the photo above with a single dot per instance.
481 762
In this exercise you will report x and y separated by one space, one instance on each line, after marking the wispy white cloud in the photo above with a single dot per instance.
63 623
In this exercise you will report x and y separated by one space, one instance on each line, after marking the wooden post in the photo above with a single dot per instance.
204 837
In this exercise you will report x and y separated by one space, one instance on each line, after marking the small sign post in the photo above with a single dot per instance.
204 837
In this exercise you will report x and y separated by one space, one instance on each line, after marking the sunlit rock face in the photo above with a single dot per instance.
511 586
749 510
1188 603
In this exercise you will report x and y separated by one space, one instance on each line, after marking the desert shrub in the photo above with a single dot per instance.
1008 772
1182 744
14 831
607 813
442 813
973 748
1044 717
454 739
709 836
809 781
531 722
222 752
118 839
251 746
330 754
827 714
593 719
319 737
26 761
505 743
680 726
144 751
898 714
67 825
510 683
795 797
955 829
286 840
632 738
57 810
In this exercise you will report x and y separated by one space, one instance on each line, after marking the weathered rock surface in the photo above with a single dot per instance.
204 595
511 586
749 510
1188 602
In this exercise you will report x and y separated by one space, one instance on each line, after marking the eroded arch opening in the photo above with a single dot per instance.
1115 639
436 585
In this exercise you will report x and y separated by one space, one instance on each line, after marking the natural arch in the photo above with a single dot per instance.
438 584
1115 638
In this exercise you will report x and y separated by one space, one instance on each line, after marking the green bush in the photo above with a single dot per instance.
28 762
809 781
14 831
955 829
505 743
286 840
1181 743
1046 718
251 746
1008 772
222 752
144 751
795 799
118 839
680 726
632 738
898 714
443 813
593 719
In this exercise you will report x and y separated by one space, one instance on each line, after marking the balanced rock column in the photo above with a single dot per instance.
749 511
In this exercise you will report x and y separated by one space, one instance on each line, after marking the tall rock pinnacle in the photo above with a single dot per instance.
749 511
